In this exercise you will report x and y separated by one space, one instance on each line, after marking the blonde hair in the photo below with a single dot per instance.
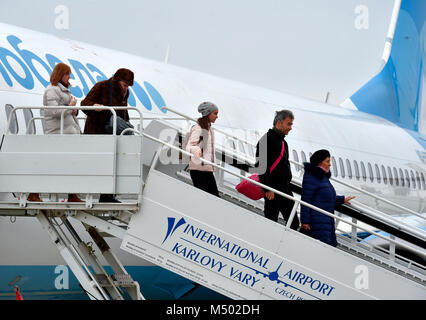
58 72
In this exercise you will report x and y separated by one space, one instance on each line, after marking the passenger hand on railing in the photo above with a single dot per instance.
306 227
270 195
73 101
348 199
99 105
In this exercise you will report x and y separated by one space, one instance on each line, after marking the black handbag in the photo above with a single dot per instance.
121 123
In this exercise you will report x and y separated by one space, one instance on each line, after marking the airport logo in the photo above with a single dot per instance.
171 228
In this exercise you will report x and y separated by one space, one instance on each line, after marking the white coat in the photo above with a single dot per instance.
59 96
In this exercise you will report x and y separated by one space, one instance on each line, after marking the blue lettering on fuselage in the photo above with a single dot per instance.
88 74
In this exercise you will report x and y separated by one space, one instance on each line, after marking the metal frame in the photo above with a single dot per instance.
114 114
222 169
99 285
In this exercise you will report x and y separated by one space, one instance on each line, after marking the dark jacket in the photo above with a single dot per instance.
318 191
281 176
101 94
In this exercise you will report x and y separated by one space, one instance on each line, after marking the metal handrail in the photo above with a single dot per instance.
130 118
302 166
299 202
216 129
225 148
31 122
158 118
367 193
141 161
65 108
372 246
111 109
114 131
128 130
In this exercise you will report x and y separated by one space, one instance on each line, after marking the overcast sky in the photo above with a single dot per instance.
303 47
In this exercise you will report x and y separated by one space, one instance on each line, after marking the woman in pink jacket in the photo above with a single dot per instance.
201 145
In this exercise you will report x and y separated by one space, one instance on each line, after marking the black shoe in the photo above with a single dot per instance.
108 198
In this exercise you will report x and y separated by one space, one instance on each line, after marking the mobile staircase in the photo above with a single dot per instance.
222 243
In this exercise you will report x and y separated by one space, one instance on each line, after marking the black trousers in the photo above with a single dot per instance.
283 205
205 181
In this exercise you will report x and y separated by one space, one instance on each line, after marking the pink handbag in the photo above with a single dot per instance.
251 190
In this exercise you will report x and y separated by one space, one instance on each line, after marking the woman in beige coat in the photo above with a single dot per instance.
201 144
58 94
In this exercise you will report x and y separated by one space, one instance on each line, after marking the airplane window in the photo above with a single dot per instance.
14 123
401 178
407 178
342 168
395 176
423 180
390 176
418 180
303 157
232 144
296 158
251 150
348 164
370 171
379 179
363 172
242 149
356 169
334 167
413 180
28 115
385 179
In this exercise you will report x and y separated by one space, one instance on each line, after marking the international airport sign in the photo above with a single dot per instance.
234 251
220 261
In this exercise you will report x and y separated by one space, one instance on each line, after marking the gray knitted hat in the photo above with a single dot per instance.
206 108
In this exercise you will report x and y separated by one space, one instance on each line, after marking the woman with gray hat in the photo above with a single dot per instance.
318 191
201 145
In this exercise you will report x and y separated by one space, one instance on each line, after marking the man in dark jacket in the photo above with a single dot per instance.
269 148
112 92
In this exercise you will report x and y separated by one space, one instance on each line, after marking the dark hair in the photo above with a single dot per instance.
282 115
125 75
319 156
204 122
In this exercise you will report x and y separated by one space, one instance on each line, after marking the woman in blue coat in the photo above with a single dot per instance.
318 191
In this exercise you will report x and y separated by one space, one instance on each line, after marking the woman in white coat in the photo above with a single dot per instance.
201 144
58 94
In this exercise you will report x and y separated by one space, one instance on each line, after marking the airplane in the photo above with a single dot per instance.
376 138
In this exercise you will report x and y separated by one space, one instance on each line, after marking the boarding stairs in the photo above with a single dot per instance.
222 243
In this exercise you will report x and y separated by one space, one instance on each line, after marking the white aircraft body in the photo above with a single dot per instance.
375 151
